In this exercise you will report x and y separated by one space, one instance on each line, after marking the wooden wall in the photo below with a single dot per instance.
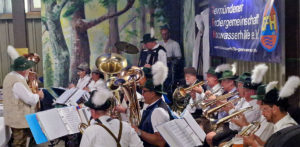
34 40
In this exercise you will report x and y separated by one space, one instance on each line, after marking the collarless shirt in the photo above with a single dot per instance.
97 136
94 85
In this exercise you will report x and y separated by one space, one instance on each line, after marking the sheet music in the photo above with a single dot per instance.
76 96
52 124
70 117
200 134
65 96
85 115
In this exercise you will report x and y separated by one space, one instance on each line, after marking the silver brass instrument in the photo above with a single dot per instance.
250 129
227 118
180 99
208 113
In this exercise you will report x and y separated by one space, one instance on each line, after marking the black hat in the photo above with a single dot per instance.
166 27
249 85
147 38
190 70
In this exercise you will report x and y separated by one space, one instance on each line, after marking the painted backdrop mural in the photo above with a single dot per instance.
76 31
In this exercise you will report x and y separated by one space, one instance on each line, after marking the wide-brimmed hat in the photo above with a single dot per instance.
84 67
97 71
21 64
101 99
147 38
260 93
228 74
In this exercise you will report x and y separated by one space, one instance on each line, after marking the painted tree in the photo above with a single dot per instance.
61 56
80 47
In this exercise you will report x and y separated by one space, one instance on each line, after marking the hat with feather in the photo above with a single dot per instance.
101 99
159 73
229 73
280 98
257 77
218 70
20 62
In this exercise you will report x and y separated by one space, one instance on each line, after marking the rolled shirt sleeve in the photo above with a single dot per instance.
158 117
22 93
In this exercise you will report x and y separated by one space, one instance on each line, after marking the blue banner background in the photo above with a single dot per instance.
227 21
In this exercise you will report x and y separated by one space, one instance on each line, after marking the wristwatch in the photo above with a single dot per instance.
139 132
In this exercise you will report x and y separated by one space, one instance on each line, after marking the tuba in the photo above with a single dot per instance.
111 65
131 77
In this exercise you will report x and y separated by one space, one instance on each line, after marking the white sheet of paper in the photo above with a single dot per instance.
70 117
66 96
52 124
194 126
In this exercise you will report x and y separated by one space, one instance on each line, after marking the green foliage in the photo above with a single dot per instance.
44 19
106 3
74 7
49 71
48 1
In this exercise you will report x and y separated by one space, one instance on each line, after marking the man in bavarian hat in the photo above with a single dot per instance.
96 81
153 53
107 131
84 76
18 100
157 111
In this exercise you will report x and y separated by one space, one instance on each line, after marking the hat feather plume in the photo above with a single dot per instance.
234 68
223 67
12 52
101 96
159 72
289 87
258 73
271 86
152 32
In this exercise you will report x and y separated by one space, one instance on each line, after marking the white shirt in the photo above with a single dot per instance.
158 116
83 82
162 56
172 48
285 122
21 92
94 85
265 130
97 136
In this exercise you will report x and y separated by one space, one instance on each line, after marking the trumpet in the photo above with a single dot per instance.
209 112
196 103
225 119
183 91
250 129
219 98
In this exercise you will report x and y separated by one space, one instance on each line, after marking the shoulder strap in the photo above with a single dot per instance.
119 135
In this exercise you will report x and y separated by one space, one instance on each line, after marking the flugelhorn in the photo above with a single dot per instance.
198 102
225 119
250 129
209 112
184 91
204 105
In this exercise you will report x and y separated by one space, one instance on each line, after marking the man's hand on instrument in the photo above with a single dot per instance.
208 93
193 95
250 141
41 94
198 89
120 109
228 107
212 97
240 120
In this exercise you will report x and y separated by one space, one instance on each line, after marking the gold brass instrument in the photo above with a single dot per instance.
208 113
83 126
32 77
227 118
204 105
111 64
131 77
180 98
198 102
250 129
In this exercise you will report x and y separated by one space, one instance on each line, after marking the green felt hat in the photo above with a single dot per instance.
158 89
21 64
242 78
260 92
228 74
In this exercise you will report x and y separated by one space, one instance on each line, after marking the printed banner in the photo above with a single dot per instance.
245 30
